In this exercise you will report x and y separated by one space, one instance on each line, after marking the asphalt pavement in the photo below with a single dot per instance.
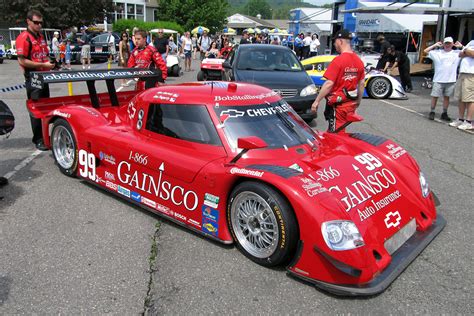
68 247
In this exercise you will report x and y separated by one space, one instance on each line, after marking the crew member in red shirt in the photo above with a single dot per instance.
146 56
344 86
33 55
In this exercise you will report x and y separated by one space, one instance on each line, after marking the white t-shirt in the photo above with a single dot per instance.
55 44
467 63
445 65
307 41
187 44
314 45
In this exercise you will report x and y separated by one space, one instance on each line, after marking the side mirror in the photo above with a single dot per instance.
353 117
226 65
251 142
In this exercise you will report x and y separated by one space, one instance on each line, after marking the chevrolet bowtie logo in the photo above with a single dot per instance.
277 91
392 219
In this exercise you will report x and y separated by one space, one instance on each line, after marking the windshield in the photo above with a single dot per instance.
268 60
276 123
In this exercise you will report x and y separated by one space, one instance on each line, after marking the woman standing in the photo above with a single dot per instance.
124 53
186 49
194 42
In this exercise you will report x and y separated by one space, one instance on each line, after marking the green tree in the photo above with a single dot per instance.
191 13
56 13
254 7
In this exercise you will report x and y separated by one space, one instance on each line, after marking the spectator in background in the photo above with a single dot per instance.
186 49
299 46
55 47
68 54
133 43
213 52
306 45
384 44
172 45
245 38
313 48
124 53
445 63
402 61
204 43
226 49
464 90
194 41
62 54
161 44
86 49
111 47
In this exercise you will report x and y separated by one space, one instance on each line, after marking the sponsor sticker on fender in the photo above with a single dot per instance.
210 227
396 151
211 200
247 172
62 114
210 213
148 202
193 222
106 157
111 185
312 187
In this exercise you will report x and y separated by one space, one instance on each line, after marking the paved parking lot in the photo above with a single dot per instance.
67 247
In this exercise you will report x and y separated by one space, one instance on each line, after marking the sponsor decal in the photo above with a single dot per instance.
378 205
210 227
111 185
166 96
138 158
379 180
180 217
62 114
296 167
312 187
230 113
99 179
131 110
161 188
136 196
392 219
123 191
255 173
148 202
109 176
96 75
193 222
210 213
253 112
326 174
108 158
396 151
218 98
211 200
89 110
164 209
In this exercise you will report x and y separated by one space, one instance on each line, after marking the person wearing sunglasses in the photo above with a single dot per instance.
33 55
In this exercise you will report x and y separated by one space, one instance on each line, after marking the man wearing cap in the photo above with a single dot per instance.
445 62
245 38
55 47
344 84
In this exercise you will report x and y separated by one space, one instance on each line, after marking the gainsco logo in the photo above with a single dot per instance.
123 191
111 185
108 158
162 189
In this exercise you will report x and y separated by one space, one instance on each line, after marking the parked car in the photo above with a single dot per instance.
99 46
274 67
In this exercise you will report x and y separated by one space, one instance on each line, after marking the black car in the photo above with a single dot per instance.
99 46
274 67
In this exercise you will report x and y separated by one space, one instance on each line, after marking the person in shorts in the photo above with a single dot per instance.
464 90
187 49
445 61
86 49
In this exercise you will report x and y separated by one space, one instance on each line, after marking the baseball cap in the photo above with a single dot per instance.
448 39
56 33
343 34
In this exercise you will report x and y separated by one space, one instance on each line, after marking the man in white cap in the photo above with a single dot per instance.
445 62
55 47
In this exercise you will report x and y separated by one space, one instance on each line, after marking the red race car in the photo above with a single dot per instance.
345 211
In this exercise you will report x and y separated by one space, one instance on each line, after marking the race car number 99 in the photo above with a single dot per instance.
86 164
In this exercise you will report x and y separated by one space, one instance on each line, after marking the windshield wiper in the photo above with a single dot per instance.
292 127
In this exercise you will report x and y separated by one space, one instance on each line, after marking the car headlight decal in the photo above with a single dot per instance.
309 90
425 188
342 235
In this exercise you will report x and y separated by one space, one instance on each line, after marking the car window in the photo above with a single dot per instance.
268 60
187 122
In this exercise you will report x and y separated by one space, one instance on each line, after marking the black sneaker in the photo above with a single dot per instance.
41 146
3 181
431 116
445 117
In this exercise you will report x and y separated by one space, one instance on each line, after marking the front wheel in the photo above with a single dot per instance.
64 147
262 224
175 70
201 76
379 88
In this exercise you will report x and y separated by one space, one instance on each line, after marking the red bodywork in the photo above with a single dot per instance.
174 177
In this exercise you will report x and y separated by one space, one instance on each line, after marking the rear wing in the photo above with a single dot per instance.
39 79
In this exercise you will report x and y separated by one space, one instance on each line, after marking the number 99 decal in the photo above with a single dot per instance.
86 164
369 161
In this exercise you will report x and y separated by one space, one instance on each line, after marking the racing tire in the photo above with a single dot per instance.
175 71
64 147
201 76
262 224
379 88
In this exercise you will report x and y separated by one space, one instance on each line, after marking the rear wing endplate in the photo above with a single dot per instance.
41 78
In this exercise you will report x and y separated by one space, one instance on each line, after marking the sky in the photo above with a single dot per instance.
319 2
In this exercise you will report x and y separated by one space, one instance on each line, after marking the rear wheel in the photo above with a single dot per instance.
379 88
175 70
201 76
262 224
64 147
